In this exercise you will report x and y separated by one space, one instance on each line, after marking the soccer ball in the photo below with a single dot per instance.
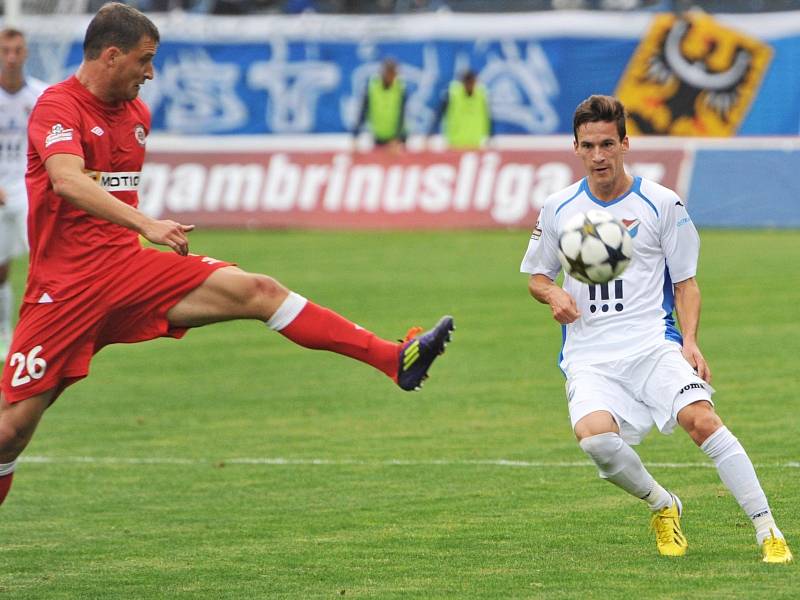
594 247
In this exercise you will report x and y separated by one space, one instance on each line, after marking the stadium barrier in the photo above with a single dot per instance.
700 75
324 182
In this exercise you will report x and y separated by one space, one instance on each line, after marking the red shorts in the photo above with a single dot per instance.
54 342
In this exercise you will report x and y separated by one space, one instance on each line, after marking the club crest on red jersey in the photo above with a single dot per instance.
57 134
139 134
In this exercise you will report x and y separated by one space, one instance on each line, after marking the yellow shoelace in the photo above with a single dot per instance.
775 546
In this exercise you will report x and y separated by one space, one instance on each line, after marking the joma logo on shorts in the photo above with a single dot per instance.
692 386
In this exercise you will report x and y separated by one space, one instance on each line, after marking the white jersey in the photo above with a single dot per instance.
14 111
633 313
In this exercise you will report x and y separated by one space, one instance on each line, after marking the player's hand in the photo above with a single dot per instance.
564 308
2 197
169 233
695 358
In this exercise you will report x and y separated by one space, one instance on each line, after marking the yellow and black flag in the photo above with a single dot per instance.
692 76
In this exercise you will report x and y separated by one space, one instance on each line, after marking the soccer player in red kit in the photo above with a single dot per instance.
91 283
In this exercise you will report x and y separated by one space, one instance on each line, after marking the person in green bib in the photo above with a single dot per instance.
384 107
467 116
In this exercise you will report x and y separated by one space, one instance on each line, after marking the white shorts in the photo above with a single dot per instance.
639 391
13 232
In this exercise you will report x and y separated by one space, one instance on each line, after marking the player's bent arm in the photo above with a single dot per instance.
66 172
563 306
687 307
541 288
71 183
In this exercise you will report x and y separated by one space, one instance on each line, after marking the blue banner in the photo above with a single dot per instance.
290 76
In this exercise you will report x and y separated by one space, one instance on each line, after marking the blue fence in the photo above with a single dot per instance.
745 188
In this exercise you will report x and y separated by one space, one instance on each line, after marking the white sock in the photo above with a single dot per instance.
287 311
737 473
619 464
6 304
7 468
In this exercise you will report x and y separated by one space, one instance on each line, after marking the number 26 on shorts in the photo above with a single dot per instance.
27 367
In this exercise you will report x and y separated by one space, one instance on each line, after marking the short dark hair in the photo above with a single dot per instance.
10 32
117 24
600 108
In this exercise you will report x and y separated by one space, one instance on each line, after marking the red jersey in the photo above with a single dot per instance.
69 247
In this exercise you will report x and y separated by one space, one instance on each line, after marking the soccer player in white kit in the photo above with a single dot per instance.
18 94
627 365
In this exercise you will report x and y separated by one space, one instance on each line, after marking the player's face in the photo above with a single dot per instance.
601 151
134 68
13 53
389 75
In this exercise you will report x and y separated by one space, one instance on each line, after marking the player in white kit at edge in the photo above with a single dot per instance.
18 94
628 366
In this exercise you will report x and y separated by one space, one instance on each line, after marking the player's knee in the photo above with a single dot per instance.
264 293
269 288
602 448
700 421
704 426
12 441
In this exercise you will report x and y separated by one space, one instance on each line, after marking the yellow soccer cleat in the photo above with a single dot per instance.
667 525
775 550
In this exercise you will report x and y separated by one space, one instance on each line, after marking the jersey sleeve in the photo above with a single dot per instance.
680 241
54 128
541 258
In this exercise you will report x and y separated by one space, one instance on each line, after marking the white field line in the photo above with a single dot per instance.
112 460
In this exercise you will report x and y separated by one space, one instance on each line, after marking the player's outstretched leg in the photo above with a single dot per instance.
316 327
230 293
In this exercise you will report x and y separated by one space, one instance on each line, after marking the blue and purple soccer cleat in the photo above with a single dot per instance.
420 350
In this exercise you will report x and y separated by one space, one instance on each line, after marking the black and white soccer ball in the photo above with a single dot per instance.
594 247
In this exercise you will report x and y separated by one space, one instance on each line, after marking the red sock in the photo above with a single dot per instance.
5 485
319 328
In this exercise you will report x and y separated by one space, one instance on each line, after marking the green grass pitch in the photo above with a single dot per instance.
232 464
